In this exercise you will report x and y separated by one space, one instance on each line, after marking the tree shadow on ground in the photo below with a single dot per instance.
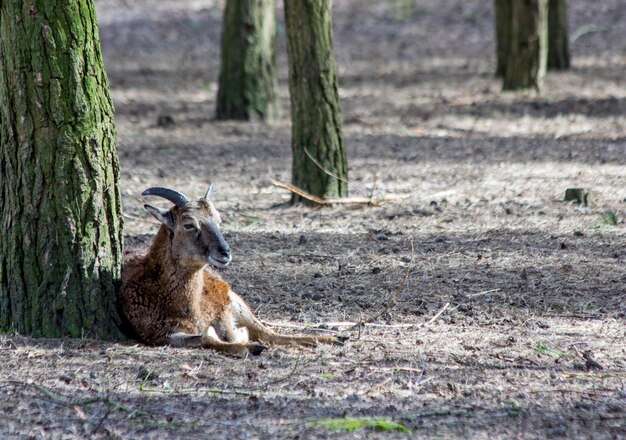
501 274
541 108
223 411
476 148
467 160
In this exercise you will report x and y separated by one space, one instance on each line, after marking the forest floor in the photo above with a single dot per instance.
488 306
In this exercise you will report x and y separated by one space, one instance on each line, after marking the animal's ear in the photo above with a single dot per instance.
162 215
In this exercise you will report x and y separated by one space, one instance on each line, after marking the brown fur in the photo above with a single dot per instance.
169 296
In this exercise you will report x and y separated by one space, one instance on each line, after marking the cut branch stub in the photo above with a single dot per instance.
578 195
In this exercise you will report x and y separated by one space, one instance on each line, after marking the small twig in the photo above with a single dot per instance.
437 315
196 390
97 428
611 417
334 175
484 292
330 324
302 193
301 328
394 369
319 165
436 413
587 29
562 390
574 315
137 219
373 187
335 201
284 378
595 374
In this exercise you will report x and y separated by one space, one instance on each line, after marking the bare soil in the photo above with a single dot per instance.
488 306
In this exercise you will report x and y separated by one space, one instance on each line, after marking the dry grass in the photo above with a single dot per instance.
479 304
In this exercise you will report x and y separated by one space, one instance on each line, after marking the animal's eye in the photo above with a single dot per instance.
189 226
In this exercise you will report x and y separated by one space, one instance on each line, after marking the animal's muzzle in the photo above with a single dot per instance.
220 252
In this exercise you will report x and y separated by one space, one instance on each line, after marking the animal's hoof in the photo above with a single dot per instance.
340 340
257 349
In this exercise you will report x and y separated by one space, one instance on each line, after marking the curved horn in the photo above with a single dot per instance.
177 198
209 191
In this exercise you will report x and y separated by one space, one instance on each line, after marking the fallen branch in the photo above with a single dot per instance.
194 391
484 292
336 201
443 309
595 374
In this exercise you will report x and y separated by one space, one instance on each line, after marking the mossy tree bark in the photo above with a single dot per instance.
527 59
503 9
558 45
61 241
319 160
247 82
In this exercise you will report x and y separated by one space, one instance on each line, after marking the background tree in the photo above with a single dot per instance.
61 241
527 58
558 45
247 82
319 160
503 34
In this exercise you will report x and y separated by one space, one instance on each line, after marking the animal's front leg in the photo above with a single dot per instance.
227 330
244 317
211 340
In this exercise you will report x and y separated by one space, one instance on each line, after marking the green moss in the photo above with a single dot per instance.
63 216
352 424
609 218
320 164
248 83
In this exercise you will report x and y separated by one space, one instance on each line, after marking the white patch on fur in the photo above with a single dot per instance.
241 333
211 333
238 310
236 303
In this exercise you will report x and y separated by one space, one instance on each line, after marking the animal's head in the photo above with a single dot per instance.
194 231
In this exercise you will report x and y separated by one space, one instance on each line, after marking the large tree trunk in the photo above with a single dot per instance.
503 9
319 160
527 59
61 241
558 45
247 83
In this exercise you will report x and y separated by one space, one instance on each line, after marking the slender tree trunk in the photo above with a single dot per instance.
558 45
503 34
319 160
61 241
248 83
527 59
